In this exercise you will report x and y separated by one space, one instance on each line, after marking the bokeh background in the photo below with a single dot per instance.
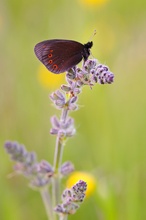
110 142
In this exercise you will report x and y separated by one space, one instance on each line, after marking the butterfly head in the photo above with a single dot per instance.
87 48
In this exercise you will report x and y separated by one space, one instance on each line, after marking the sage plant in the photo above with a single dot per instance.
42 175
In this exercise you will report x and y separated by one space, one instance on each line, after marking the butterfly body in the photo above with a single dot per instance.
60 55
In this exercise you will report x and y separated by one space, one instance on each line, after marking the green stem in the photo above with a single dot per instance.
47 203
63 217
57 162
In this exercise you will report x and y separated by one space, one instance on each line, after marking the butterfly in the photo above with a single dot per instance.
60 55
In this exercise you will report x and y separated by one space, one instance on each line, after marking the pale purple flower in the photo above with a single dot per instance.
63 128
66 168
72 198
26 164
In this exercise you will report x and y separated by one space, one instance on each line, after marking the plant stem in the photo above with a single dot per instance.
57 161
47 203
63 217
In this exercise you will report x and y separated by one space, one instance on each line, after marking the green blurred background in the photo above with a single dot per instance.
111 122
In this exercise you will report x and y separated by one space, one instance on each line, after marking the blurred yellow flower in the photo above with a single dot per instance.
93 2
49 80
87 177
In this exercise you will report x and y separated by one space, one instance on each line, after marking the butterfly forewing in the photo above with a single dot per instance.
59 55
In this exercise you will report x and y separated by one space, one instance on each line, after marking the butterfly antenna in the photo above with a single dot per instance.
94 33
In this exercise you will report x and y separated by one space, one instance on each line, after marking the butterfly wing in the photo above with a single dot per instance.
59 55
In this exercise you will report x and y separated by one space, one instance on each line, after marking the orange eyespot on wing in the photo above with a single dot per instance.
55 66
50 55
50 61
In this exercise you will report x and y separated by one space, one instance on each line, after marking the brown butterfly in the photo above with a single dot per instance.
60 55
